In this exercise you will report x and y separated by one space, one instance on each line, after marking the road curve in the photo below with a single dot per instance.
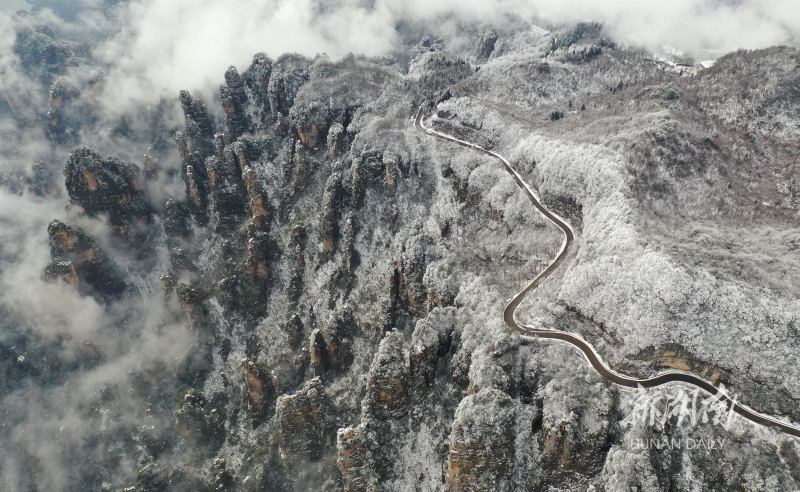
587 349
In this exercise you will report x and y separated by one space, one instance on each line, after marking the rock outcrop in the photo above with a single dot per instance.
176 223
108 186
411 270
295 331
199 125
260 391
234 101
329 221
304 430
60 127
193 302
575 440
366 451
431 340
331 346
296 279
255 271
199 421
289 73
62 269
43 56
256 79
259 203
335 140
387 386
482 443
311 123
355 460
407 296
351 256
74 250
227 187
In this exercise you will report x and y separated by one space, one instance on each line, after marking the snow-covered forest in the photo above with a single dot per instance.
271 280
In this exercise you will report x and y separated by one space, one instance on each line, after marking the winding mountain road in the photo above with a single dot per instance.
587 349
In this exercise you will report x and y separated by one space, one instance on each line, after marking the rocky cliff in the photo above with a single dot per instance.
290 287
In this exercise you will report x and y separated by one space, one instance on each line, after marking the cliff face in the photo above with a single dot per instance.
78 260
481 443
109 187
302 291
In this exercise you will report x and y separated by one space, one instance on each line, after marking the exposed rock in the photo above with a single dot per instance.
42 55
302 165
486 42
367 452
353 459
62 269
193 302
257 76
260 391
336 136
295 288
320 357
331 346
196 193
60 127
357 185
482 443
311 123
256 272
183 146
407 294
259 203
234 99
199 421
227 190
108 186
256 262
220 145
295 331
329 222
387 385
96 273
575 427
176 223
289 73
391 173
195 175
199 126
351 256
442 286
430 341
304 430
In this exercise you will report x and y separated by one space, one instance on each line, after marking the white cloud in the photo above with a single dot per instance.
188 44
